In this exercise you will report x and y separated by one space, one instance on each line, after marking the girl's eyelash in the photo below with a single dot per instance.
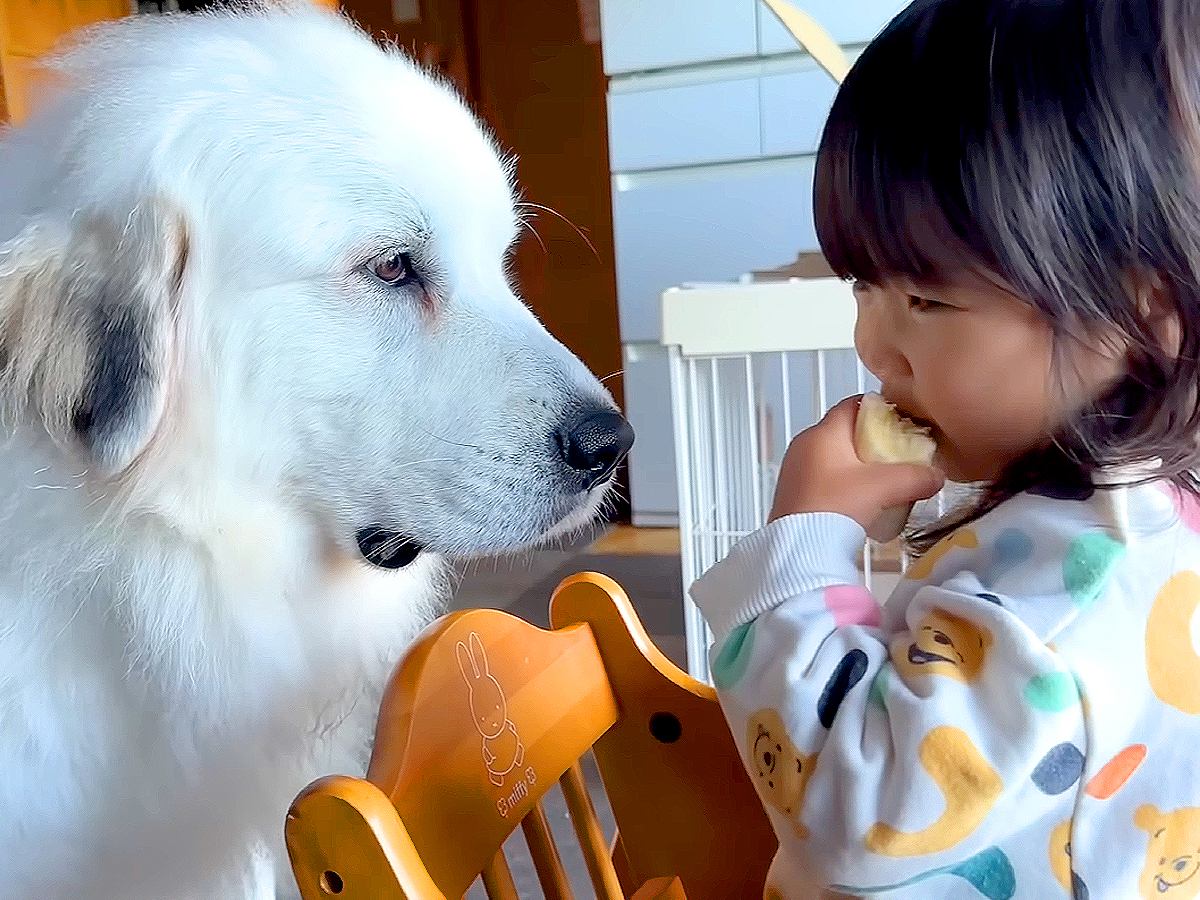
915 302
923 304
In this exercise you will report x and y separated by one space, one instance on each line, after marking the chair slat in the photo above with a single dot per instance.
682 800
591 837
498 880
546 860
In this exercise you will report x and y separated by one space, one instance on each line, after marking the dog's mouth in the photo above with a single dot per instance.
387 549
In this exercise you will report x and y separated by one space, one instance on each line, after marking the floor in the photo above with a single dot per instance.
646 563
643 561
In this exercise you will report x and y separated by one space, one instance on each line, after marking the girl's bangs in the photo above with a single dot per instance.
886 213
893 193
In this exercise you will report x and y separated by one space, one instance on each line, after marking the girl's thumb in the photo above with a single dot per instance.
902 483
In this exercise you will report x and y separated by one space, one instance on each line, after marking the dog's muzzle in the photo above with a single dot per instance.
385 548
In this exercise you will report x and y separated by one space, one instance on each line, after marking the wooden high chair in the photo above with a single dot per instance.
485 714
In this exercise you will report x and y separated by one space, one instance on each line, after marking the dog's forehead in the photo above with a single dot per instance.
293 116
375 140
403 157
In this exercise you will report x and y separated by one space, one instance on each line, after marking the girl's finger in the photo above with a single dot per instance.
899 483
843 415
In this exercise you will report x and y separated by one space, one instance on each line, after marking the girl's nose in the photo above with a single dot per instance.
877 337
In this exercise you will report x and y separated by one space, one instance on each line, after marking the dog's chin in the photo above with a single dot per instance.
576 520
386 548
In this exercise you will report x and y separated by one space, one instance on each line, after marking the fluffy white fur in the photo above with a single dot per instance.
205 394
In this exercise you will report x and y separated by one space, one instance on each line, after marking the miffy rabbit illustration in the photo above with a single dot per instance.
502 749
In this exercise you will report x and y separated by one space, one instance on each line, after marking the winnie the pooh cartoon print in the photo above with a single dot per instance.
502 748
780 770
1173 857
943 644
1061 863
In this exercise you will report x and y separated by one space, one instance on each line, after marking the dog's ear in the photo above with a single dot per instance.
87 328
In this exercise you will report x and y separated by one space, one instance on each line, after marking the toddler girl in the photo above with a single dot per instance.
1012 186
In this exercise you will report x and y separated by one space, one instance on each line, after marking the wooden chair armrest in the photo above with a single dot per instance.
344 838
661 889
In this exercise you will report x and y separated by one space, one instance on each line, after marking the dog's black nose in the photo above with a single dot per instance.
595 445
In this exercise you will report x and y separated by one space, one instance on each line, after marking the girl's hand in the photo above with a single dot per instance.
821 472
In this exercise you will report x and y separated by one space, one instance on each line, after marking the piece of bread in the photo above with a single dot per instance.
882 435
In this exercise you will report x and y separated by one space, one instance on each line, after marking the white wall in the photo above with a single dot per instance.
714 119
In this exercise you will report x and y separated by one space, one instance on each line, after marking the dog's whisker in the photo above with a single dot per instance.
438 437
612 375
554 212
423 462
528 226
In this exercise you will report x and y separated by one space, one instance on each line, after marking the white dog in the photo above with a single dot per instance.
261 372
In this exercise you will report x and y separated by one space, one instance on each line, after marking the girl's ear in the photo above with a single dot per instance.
1158 311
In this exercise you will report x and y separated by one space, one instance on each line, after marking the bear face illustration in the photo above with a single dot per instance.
780 771
1173 857
942 645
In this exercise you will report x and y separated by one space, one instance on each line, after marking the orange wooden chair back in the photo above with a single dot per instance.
485 714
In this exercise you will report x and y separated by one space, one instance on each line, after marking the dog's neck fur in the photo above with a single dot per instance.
184 621
201 570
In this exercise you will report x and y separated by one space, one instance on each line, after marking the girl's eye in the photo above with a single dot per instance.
923 304
394 269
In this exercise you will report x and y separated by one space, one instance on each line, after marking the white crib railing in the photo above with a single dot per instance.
751 365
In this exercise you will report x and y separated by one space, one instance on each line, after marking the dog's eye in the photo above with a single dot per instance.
394 269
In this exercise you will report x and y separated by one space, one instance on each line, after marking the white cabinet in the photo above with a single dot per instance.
709 224
848 21
684 125
775 113
640 35
652 485
794 106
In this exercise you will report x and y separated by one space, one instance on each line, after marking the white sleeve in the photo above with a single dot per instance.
884 757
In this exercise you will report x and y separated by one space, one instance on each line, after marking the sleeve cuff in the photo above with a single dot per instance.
791 556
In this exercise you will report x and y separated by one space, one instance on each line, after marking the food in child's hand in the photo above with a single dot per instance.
882 435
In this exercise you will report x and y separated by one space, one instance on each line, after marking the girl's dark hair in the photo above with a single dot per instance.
1048 144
